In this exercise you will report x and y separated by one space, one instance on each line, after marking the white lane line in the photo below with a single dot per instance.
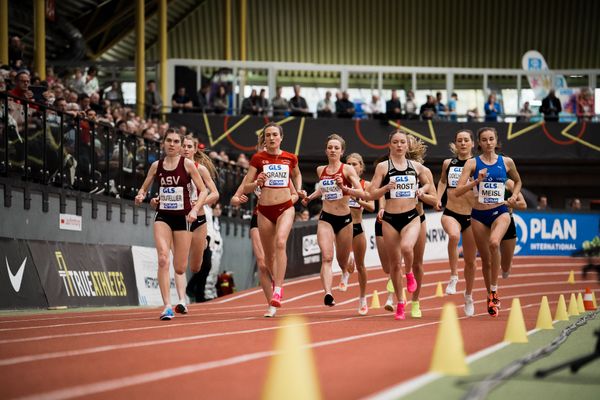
115 384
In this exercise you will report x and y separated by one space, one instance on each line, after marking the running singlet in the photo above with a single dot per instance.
352 202
173 193
277 168
329 188
406 182
491 189
454 171
194 192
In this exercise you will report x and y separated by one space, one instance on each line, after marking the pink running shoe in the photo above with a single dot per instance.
276 300
400 312
411 282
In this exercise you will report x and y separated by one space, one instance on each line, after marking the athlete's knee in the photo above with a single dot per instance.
164 261
494 244
453 238
179 269
327 257
280 244
406 250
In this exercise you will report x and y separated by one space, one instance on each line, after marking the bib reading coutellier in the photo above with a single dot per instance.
330 190
406 186
453 176
491 192
171 198
278 175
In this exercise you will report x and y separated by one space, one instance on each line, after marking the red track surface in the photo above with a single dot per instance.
221 349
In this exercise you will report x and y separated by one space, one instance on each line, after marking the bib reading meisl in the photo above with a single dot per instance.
406 186
491 192
278 175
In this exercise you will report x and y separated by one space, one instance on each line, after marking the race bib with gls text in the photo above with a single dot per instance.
278 175
406 187
491 192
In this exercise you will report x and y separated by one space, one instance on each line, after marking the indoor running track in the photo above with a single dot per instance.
221 349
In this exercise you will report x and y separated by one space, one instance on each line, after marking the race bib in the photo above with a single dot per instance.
406 187
330 190
171 198
353 203
193 193
491 192
453 176
278 175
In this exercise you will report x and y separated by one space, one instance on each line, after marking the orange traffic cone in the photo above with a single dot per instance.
588 301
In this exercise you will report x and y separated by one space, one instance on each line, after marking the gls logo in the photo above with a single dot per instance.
169 190
16 279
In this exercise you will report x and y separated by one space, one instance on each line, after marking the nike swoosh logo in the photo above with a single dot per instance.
16 279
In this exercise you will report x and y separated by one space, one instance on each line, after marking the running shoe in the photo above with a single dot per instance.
400 312
411 282
492 307
389 304
344 281
270 313
276 300
451 288
495 299
181 308
363 309
329 300
167 314
469 306
415 309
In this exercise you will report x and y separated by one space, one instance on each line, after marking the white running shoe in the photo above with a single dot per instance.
451 288
469 306
389 304
344 281
270 313
363 309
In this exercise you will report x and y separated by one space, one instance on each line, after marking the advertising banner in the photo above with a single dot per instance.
304 254
145 263
553 234
74 274
19 281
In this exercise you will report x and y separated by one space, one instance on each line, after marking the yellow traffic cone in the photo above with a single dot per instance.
448 353
573 306
580 306
515 327
390 286
375 300
544 319
292 373
571 278
438 291
561 310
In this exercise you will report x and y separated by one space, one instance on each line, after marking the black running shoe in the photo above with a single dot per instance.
328 300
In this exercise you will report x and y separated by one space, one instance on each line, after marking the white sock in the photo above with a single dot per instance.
362 301
494 288
454 277
181 302
277 290
468 296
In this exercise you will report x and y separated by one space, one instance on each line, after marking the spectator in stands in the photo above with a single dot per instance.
181 102
202 99
374 108
242 161
525 112
298 105
575 204
440 107
153 100
280 104
95 103
427 110
304 214
410 107
551 107
492 109
452 104
344 108
585 105
21 89
326 106
262 102
393 108
249 104
219 100
542 202
16 49
90 81
115 94
84 101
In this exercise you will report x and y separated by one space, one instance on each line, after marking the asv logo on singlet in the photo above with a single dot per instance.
169 180
277 175
405 187
330 190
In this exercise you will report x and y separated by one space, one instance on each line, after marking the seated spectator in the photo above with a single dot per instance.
542 202
393 108
525 112
551 107
21 88
202 101
181 102
325 107
280 104
492 109
298 105
153 100
374 108
575 204
219 101
344 108
410 107
427 110
440 108
452 103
